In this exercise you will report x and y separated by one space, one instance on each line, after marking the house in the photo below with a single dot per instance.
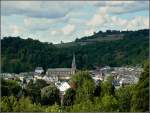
50 79
39 70
28 79
105 69
63 87
37 77
9 76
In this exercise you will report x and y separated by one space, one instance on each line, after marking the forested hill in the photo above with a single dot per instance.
112 48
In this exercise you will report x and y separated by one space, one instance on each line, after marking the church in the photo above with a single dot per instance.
62 73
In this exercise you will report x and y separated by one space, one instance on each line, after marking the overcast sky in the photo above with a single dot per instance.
50 21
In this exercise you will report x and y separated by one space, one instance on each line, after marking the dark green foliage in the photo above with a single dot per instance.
53 108
86 91
40 83
109 103
108 99
7 103
19 55
97 89
124 96
50 95
69 97
25 54
85 86
24 104
34 89
80 77
107 88
140 100
9 87
83 106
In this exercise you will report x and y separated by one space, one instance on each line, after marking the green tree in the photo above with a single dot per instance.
33 92
7 103
97 91
69 97
53 108
85 85
107 87
80 77
39 83
124 97
34 89
140 100
24 104
86 91
9 87
49 95
83 106
109 103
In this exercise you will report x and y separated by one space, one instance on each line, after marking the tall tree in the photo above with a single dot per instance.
140 100
50 95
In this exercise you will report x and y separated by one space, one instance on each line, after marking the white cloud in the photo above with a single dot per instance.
138 22
37 9
15 30
42 24
122 7
53 32
104 19
68 29
98 19
56 32
55 9
101 17
37 24
88 32
119 22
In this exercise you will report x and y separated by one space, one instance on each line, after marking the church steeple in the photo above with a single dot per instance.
73 62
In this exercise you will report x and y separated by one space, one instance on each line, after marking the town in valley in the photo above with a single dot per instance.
125 75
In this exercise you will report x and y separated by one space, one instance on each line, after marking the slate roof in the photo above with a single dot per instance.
59 69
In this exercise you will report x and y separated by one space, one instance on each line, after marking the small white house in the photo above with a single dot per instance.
37 77
63 87
39 70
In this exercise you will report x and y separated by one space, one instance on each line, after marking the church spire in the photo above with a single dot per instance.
73 62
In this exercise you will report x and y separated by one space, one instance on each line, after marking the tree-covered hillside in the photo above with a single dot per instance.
19 55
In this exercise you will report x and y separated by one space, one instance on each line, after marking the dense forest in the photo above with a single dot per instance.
20 55
83 96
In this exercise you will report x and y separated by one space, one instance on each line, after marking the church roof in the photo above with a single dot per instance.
59 69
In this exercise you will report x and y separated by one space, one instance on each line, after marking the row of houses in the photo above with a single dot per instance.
126 75
121 75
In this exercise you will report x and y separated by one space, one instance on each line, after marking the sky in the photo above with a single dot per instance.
56 21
